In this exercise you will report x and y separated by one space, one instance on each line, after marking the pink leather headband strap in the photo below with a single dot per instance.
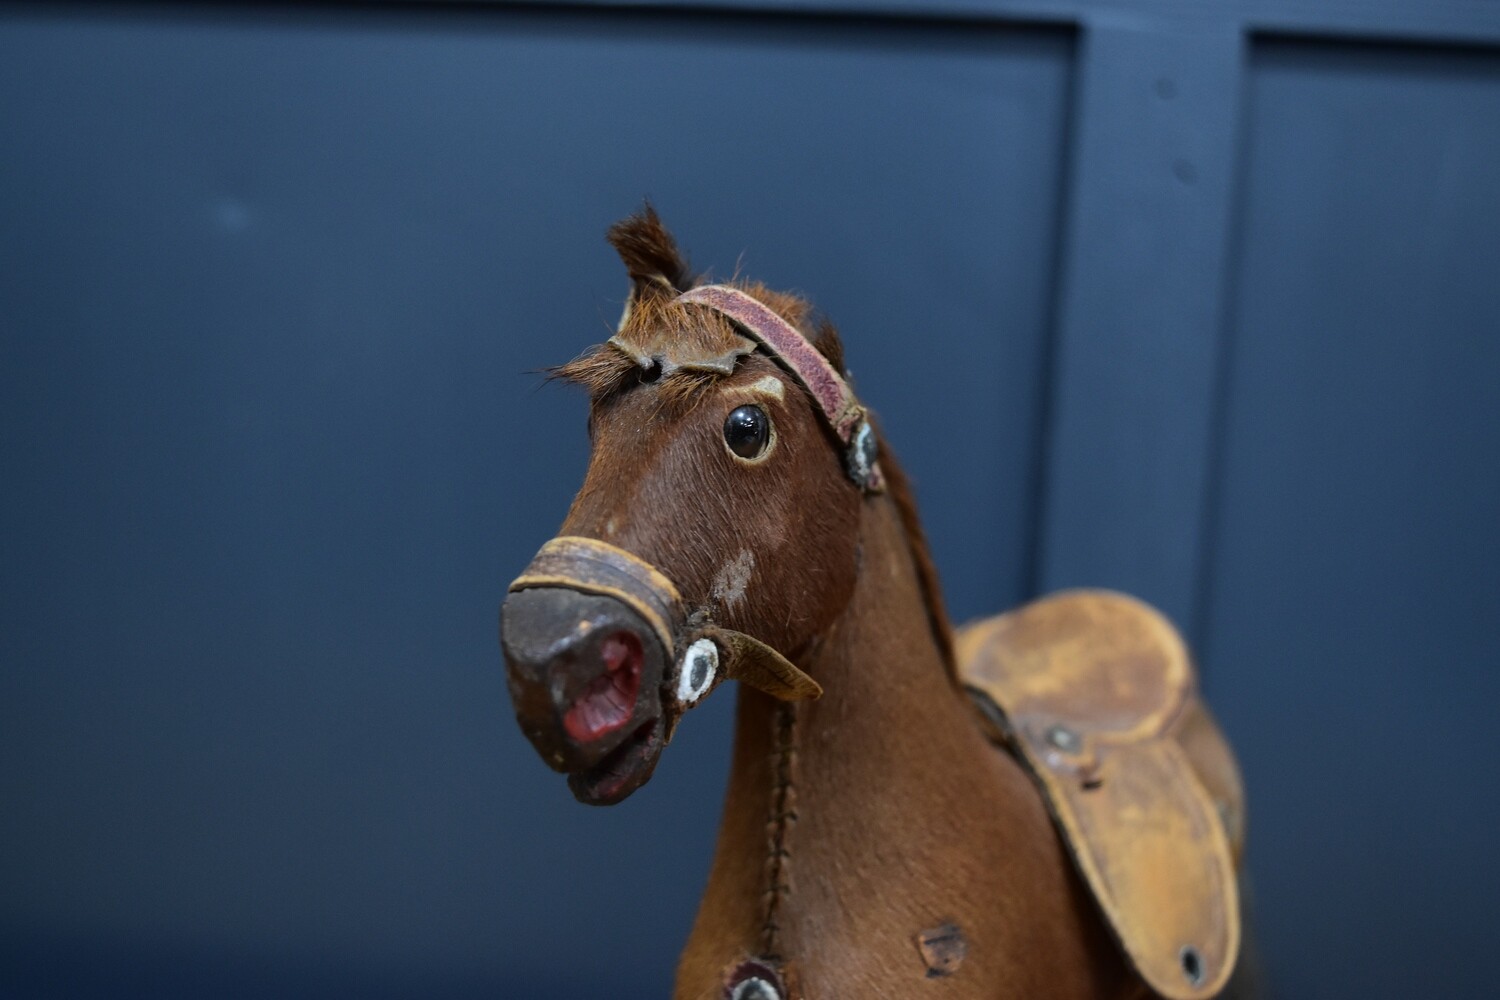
840 408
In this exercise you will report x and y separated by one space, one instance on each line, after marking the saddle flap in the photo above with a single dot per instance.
1092 690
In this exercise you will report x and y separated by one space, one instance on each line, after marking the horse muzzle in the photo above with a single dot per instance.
603 658
585 672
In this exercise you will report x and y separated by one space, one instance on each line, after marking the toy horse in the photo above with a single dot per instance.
1039 806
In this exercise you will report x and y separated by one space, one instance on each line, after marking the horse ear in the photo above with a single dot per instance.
656 267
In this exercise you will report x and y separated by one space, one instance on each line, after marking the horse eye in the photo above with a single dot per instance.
747 431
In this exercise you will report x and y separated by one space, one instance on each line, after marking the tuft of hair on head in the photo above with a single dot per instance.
651 257
601 370
653 317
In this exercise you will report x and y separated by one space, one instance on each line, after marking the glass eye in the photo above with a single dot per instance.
747 431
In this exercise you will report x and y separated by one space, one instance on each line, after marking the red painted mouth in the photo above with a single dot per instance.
609 700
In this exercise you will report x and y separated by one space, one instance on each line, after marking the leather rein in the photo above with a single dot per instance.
702 654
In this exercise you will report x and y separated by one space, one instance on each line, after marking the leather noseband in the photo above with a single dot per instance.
702 654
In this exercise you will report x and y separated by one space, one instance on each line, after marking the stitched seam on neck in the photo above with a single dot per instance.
783 816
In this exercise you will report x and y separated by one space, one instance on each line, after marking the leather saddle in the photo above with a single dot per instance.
1095 693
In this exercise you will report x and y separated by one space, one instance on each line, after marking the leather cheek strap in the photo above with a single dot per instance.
750 661
592 566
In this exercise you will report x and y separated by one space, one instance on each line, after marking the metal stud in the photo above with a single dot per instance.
755 988
1192 965
700 665
864 451
753 979
1064 739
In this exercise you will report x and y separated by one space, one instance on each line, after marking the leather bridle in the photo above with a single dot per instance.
843 413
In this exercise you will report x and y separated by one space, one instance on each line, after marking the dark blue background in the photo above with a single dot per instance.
1154 299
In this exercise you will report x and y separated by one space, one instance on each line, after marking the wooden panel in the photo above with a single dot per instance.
1138 337
1356 583
275 289
1453 21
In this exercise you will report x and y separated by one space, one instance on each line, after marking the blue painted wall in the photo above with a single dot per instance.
1167 304
1355 554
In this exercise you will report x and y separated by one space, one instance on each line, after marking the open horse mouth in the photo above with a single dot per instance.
623 770
585 674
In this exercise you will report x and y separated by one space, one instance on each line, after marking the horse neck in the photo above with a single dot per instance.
855 822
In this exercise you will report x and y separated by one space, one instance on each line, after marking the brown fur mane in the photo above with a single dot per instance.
659 272
916 539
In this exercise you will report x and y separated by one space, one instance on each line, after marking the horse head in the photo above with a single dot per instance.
715 534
